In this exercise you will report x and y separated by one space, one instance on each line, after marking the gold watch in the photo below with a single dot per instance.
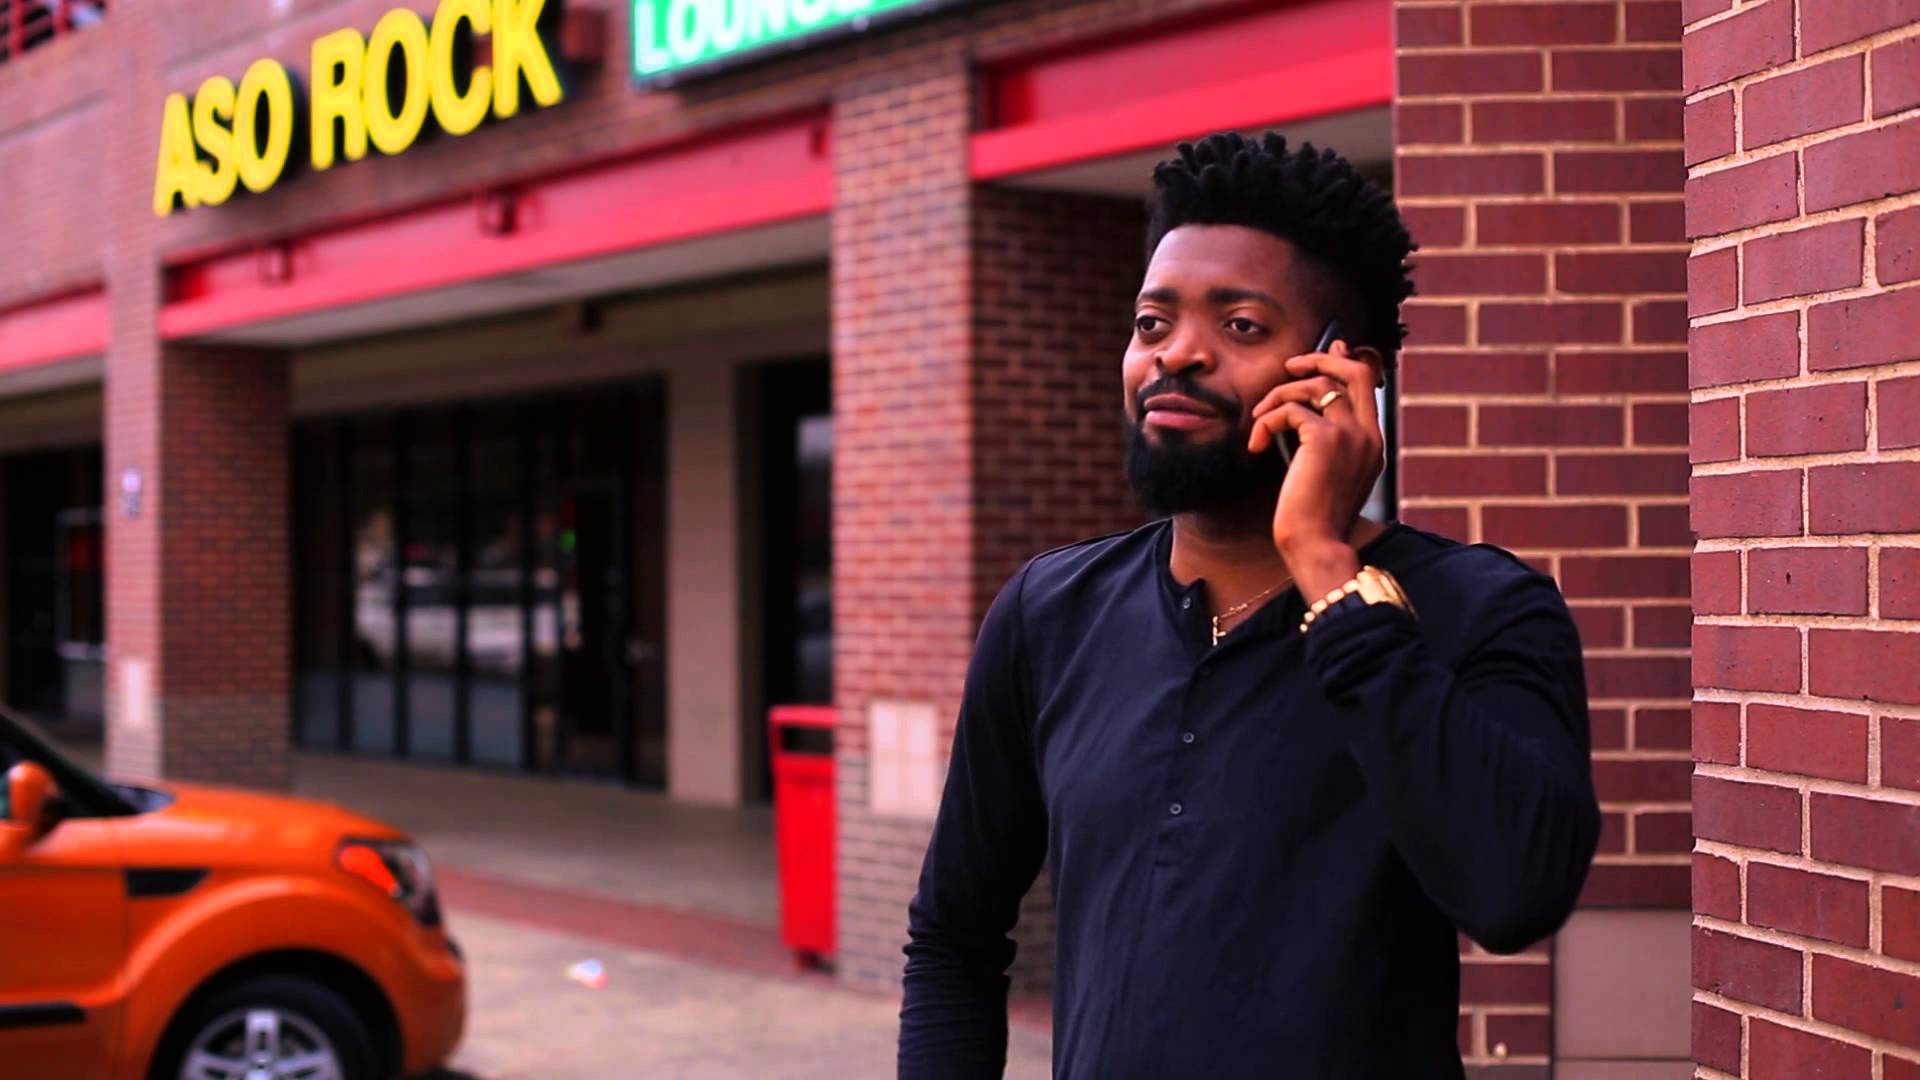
1371 584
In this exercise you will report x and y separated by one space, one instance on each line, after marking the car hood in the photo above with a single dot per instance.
205 825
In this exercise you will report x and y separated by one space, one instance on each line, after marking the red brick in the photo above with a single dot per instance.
1747 657
1416 27
1436 226
1600 627
1870 330
1543 24
1746 504
1865 664
1624 576
1615 272
1607 728
1716 733
1610 171
1900 922
1824 419
1561 323
1820 259
1878 498
1660 423
1866 833
1783 1053
1745 350
1896 77
1614 677
1900 583
1664 526
1716 431
1654 21
1716 582
1547 223
1709 128
1657 221
1807 581
1613 834
1640 887
1716 1032
1662 832
1662 626
1473 373
1433 425
1660 322
1662 728
1807 742
1463 1039
1692 11
1761 36
1653 119
1893 1068
1640 781
1898 416
1747 970
1750 815
1822 26
1528 1033
1870 165
1474 474
1549 120
1505 983
1713 282
1479 275
1551 425
1435 324
1899 240
1470 174
1813 99
1449 521
1586 70
1424 74
1416 124
1620 474
1868 1000
1744 196
1558 525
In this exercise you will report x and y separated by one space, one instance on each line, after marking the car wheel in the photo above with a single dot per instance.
270 1027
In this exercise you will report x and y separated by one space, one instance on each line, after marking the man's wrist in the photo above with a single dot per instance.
1320 567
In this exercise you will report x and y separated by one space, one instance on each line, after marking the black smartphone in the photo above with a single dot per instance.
1289 441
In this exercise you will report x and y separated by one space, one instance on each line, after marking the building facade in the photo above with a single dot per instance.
508 385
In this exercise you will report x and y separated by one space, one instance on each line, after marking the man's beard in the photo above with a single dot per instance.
1181 476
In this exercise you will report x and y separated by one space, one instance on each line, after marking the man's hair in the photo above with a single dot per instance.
1348 229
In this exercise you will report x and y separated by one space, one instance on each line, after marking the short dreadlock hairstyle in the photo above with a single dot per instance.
1346 226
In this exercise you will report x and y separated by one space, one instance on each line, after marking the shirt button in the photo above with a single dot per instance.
1186 602
1186 737
1175 809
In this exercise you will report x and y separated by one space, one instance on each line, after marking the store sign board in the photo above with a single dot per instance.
376 89
676 38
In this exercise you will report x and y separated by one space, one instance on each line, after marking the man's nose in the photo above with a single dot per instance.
1184 353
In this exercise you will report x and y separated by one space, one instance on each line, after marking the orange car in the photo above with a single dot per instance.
192 932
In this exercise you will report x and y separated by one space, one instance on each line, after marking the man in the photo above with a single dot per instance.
1274 753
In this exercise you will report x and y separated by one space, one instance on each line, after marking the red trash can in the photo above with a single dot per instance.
803 826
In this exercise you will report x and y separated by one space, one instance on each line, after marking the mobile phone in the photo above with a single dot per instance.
1289 441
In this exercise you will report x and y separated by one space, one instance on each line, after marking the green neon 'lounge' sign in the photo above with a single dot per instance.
672 38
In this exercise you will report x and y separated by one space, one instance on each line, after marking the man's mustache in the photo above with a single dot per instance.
1185 386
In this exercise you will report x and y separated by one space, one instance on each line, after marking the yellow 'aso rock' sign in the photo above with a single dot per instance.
376 88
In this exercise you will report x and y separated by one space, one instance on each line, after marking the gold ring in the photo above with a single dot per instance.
1327 399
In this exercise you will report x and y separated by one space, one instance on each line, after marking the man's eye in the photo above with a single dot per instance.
1244 326
1147 324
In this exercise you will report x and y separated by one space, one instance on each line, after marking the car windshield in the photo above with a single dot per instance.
25 741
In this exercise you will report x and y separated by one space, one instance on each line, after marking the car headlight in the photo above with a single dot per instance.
397 868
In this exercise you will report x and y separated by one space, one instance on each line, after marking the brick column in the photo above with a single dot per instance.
977 336
1803 139
1543 398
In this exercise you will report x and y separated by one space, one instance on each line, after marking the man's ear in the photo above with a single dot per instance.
1374 359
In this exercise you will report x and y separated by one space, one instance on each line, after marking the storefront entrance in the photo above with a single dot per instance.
482 583
53 553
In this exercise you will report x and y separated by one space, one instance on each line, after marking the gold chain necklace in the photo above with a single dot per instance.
1242 606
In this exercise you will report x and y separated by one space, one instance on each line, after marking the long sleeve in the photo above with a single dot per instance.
1479 767
988 843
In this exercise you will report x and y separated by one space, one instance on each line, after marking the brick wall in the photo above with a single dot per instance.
1543 395
1803 202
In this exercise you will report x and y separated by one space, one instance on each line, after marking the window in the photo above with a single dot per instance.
29 24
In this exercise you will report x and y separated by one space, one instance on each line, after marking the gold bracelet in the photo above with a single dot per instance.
1371 584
